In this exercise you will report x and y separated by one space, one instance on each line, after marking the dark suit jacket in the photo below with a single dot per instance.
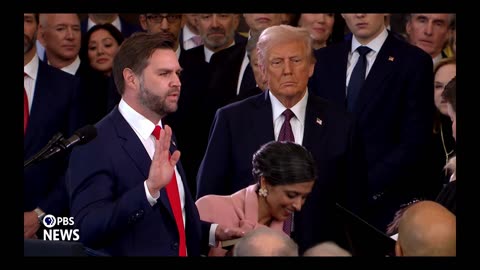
108 198
205 88
54 109
127 28
240 129
394 114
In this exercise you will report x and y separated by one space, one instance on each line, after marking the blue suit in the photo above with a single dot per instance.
106 184
55 108
394 115
238 131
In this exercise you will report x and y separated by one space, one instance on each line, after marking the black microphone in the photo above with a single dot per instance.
81 136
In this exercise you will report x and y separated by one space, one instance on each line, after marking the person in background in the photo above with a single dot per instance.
239 129
265 242
447 196
60 34
443 142
99 46
127 190
320 27
126 28
50 107
427 229
326 249
430 32
189 34
261 84
284 173
390 99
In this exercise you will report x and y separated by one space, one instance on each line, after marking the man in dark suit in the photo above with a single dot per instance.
51 106
209 80
121 24
239 129
119 182
393 109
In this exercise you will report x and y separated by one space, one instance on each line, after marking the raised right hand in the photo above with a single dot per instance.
162 167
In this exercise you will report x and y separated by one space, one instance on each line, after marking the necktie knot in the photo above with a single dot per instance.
156 132
363 50
288 114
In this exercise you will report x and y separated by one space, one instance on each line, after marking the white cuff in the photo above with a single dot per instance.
151 199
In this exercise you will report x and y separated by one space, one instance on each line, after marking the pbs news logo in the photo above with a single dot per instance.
50 221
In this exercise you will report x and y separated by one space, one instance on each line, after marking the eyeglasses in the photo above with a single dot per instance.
156 18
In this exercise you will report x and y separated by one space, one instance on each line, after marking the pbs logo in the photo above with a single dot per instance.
49 221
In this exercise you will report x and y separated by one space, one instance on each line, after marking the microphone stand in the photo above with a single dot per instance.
38 156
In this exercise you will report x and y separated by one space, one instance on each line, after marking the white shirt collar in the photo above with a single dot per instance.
32 68
298 109
73 67
187 33
138 122
209 53
115 23
375 44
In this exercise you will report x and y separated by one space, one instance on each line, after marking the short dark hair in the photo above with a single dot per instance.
283 163
450 93
134 54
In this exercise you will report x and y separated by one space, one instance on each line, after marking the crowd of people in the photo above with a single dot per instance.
205 134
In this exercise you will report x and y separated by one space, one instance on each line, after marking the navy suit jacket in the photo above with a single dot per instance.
55 108
240 128
394 115
106 184
127 28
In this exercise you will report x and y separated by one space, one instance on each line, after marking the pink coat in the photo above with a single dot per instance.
237 210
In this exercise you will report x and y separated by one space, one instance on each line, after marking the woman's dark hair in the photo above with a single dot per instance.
283 163
450 93
116 34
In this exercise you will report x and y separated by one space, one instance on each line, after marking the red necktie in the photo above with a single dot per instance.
25 108
286 134
174 199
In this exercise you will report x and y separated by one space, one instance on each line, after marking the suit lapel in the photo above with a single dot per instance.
381 69
136 151
44 99
132 145
314 122
263 125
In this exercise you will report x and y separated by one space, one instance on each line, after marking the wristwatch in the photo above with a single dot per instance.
40 214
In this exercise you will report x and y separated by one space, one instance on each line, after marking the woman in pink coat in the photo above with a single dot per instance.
284 173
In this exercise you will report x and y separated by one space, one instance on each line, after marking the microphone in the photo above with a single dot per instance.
59 144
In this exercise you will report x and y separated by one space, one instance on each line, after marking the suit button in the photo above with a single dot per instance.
139 214
131 220
174 246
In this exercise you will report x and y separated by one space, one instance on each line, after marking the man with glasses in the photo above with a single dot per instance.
168 24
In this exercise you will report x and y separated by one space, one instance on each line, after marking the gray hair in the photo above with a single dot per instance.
278 34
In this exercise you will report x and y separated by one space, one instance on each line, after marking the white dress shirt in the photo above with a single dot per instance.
143 128
375 45
297 122
29 81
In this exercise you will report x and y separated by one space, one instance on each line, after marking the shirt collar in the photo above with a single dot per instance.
32 67
115 23
138 122
209 53
298 109
187 33
375 44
